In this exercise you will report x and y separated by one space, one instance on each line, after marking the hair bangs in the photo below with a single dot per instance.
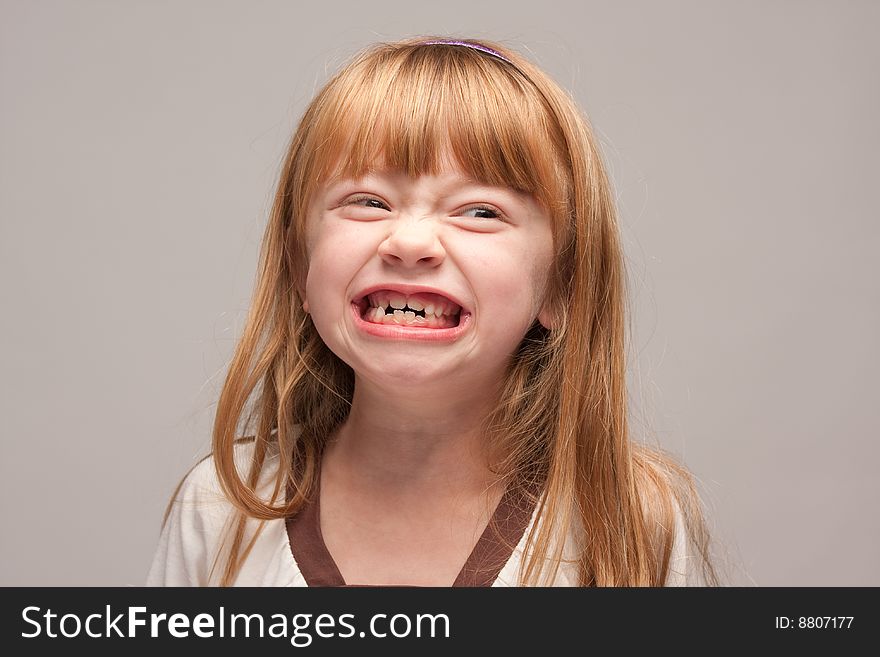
412 108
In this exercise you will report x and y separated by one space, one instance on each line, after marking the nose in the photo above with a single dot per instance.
413 242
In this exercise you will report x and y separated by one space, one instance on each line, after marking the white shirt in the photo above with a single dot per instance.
196 527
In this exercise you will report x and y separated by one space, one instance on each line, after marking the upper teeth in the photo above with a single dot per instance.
399 301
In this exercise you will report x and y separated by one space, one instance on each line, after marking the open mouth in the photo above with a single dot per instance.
422 310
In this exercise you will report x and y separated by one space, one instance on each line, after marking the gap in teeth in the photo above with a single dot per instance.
390 303
391 308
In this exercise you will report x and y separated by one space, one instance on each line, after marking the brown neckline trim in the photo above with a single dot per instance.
492 551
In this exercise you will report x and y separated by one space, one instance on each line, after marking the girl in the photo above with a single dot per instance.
432 371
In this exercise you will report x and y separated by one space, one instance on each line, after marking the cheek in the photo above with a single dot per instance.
321 275
335 254
510 286
327 281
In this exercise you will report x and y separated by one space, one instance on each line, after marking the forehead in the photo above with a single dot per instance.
440 162
446 169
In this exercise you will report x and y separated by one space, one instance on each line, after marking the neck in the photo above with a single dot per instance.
414 440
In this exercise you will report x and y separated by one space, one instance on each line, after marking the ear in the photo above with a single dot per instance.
545 316
301 293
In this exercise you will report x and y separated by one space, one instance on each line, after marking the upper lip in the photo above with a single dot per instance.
406 289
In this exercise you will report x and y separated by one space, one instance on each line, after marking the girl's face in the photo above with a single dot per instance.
425 282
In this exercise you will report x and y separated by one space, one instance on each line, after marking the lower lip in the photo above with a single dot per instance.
399 332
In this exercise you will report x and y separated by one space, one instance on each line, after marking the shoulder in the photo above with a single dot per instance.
202 483
674 515
196 523
200 490
686 561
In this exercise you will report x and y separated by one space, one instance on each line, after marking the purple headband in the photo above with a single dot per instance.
467 44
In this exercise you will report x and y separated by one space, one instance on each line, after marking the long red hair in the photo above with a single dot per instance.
561 421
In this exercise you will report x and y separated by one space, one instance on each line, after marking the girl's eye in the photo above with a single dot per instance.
484 212
367 202
476 211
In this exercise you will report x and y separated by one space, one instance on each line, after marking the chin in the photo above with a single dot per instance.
405 377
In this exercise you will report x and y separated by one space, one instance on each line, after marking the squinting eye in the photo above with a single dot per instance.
489 213
367 202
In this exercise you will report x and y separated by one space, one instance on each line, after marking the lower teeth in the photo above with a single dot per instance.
378 316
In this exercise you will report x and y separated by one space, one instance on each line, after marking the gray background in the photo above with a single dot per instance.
141 144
